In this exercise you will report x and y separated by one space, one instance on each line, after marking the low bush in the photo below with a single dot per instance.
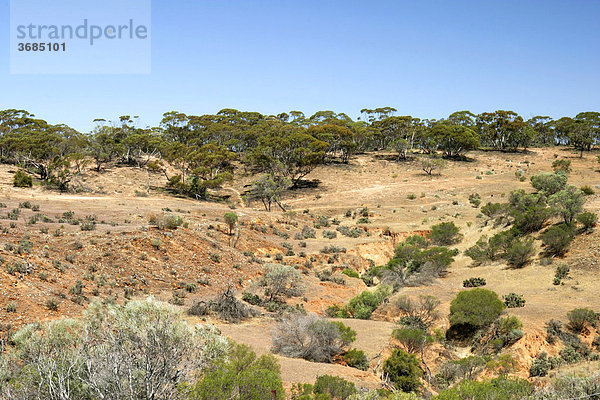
579 318
475 308
571 387
520 252
327 275
513 300
225 305
421 313
22 180
494 210
588 220
166 221
474 282
311 338
492 249
587 190
501 388
350 232
333 387
333 249
549 183
475 199
251 298
557 239
561 272
240 375
351 273
356 359
361 306
280 281
540 366
329 234
403 370
445 233
561 165
414 263
414 339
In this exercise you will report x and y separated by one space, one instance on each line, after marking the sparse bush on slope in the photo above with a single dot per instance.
361 306
311 338
280 281
166 221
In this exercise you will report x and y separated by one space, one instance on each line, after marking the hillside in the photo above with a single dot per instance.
123 256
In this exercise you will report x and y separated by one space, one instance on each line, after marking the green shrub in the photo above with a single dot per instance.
474 282
362 305
520 252
327 275
356 359
166 221
334 387
579 318
513 300
445 233
562 271
414 339
241 375
475 199
88 225
509 330
413 264
351 273
531 219
475 308
573 387
350 232
417 241
588 220
329 234
567 203
22 180
231 220
307 232
502 388
570 355
561 165
144 344
494 210
251 298
540 366
11 307
587 190
557 239
549 183
52 304
404 371
333 249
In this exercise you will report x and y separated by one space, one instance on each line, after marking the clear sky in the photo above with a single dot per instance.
425 58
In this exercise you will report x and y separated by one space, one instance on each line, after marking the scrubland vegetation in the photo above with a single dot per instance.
301 278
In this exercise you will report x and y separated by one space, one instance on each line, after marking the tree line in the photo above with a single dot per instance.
197 153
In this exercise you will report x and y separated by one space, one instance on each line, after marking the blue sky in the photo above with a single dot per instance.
425 58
